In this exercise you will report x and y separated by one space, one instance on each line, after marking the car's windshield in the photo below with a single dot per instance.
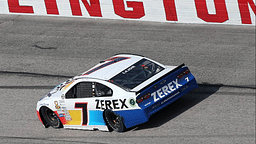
136 74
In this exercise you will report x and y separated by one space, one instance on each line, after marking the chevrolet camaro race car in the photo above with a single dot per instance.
118 93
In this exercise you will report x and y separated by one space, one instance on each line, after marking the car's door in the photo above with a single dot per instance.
81 104
77 100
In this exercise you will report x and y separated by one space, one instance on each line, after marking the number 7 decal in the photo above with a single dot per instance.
187 79
83 106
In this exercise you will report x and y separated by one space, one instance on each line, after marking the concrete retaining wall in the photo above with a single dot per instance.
236 12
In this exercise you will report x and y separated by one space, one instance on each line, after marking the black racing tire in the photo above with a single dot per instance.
114 121
51 118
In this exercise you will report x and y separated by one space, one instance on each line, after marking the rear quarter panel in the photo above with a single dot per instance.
166 90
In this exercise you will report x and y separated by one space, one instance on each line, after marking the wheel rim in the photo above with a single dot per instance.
114 121
52 117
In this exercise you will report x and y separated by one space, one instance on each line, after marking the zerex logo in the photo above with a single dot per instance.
165 90
111 104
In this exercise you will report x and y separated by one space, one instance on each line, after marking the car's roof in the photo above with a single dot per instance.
112 66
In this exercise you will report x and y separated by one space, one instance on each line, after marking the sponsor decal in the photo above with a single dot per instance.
169 98
155 106
147 104
165 90
56 105
61 115
132 102
111 104
62 96
129 69
66 85
44 104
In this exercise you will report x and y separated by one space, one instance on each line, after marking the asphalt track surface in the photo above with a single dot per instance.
37 53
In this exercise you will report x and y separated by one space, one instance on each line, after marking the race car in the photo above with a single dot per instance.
118 93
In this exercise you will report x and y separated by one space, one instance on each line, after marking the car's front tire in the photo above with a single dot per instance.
114 121
51 118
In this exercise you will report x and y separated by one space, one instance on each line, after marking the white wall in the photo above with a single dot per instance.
236 12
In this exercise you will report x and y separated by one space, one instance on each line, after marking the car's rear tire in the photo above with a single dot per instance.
51 118
114 121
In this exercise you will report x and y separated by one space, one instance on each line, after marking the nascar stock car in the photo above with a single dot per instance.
118 93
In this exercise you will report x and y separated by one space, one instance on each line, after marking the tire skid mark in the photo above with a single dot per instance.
204 88
34 74
45 48
27 87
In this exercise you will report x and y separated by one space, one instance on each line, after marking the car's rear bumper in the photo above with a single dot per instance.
171 98
135 117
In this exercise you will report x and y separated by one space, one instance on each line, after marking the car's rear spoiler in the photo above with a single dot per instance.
152 83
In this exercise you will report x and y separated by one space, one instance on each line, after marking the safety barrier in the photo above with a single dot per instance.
236 12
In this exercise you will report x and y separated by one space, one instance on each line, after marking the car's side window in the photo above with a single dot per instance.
101 90
81 90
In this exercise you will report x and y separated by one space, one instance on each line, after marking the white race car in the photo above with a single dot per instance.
118 93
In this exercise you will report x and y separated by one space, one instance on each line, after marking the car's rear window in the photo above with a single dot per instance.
136 74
